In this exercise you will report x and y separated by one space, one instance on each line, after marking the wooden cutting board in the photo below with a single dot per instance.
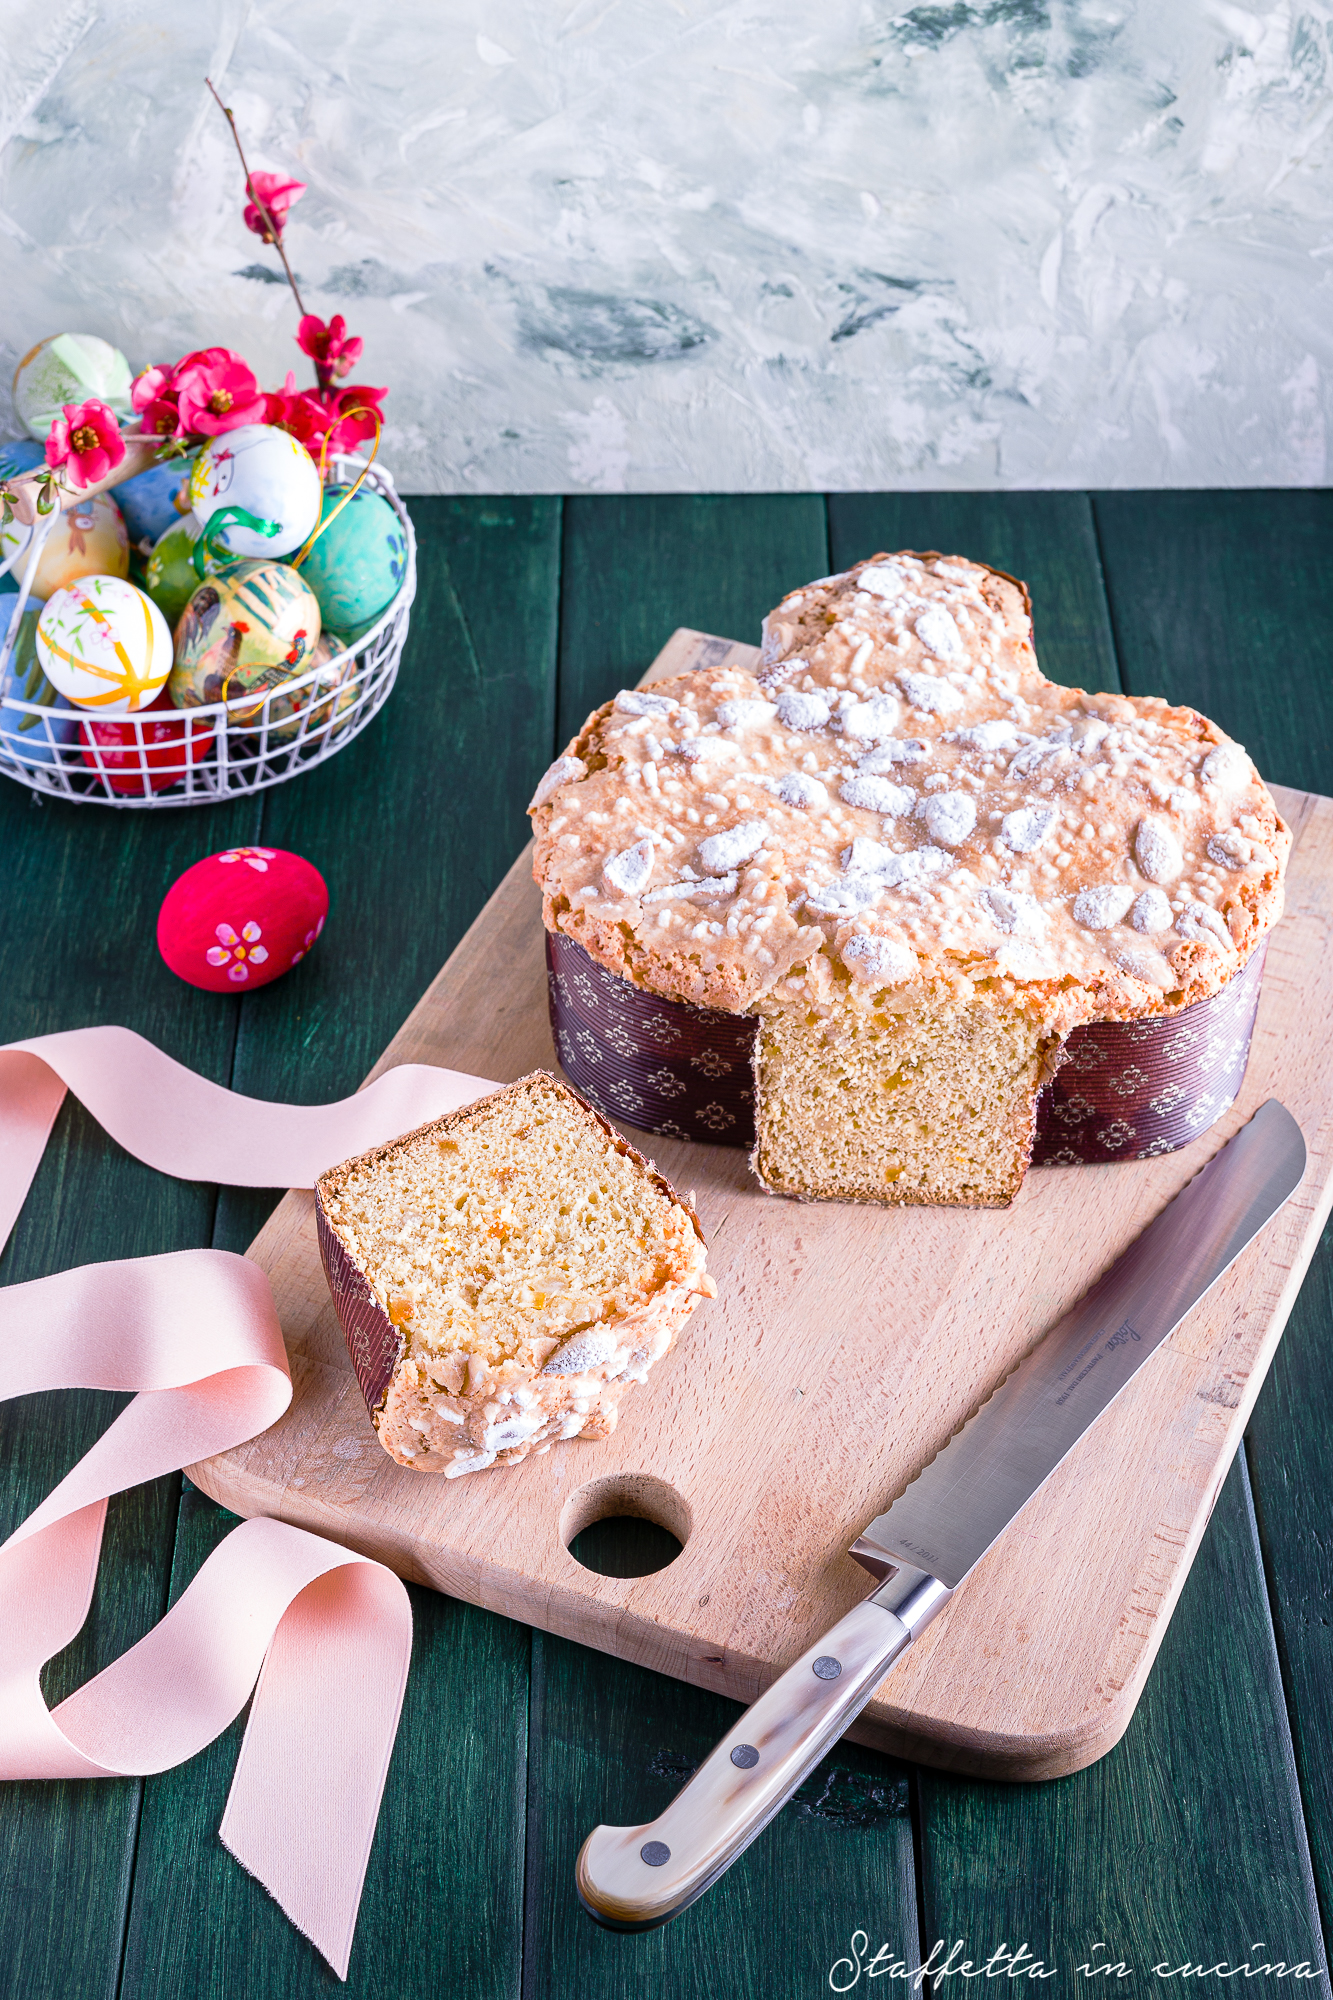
844 1347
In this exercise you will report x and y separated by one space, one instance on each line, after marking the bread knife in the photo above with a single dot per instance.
633 1878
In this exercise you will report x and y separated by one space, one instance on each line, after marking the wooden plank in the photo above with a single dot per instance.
634 570
1048 539
78 947
863 1338
636 566
1290 1454
1185 1844
1221 600
442 778
840 1852
1189 1833
416 821
442 1907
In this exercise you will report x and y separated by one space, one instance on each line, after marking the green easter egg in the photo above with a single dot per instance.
356 566
170 577
248 629
69 368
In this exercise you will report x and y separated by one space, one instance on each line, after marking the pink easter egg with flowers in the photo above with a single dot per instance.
239 919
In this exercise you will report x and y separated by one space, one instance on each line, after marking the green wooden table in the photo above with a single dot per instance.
1208 1830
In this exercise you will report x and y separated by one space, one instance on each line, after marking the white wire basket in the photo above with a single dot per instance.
216 753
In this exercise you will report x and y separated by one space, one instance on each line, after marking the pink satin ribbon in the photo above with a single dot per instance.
326 1633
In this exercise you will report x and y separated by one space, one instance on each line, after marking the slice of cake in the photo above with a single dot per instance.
917 863
503 1275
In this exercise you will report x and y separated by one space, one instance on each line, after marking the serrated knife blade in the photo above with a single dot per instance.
945 1521
923 1546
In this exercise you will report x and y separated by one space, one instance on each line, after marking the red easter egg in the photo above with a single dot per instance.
163 753
239 919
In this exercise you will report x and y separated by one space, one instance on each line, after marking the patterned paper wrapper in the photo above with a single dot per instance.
1127 1090
373 1341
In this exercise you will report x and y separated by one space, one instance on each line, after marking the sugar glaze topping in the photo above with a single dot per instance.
898 791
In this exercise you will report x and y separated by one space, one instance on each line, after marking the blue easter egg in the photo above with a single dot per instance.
148 501
20 455
23 736
357 564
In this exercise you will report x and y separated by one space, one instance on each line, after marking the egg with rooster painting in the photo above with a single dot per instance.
239 919
325 700
257 490
244 631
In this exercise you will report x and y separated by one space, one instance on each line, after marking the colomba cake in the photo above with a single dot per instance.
915 862
503 1275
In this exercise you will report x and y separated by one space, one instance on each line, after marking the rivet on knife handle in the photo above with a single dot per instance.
631 1878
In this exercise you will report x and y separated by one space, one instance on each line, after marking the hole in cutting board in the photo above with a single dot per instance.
625 1524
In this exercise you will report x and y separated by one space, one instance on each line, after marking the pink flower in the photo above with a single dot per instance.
310 937
349 415
257 858
277 195
87 441
295 410
216 392
162 418
329 347
152 395
148 387
237 949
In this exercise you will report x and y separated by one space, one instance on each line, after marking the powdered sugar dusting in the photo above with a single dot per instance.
564 771
879 795
803 711
878 961
629 872
728 850
1100 907
1027 828
1014 831
937 632
931 696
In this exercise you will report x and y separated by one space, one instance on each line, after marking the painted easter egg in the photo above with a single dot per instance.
32 739
242 918
154 747
104 644
20 455
324 700
155 500
265 485
88 540
69 368
356 564
248 629
169 576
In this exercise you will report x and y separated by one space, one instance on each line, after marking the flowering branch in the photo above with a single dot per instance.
208 392
29 495
272 230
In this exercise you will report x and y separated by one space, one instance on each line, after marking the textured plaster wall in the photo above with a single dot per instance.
655 244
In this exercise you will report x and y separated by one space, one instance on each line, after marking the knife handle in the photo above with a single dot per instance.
632 1878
